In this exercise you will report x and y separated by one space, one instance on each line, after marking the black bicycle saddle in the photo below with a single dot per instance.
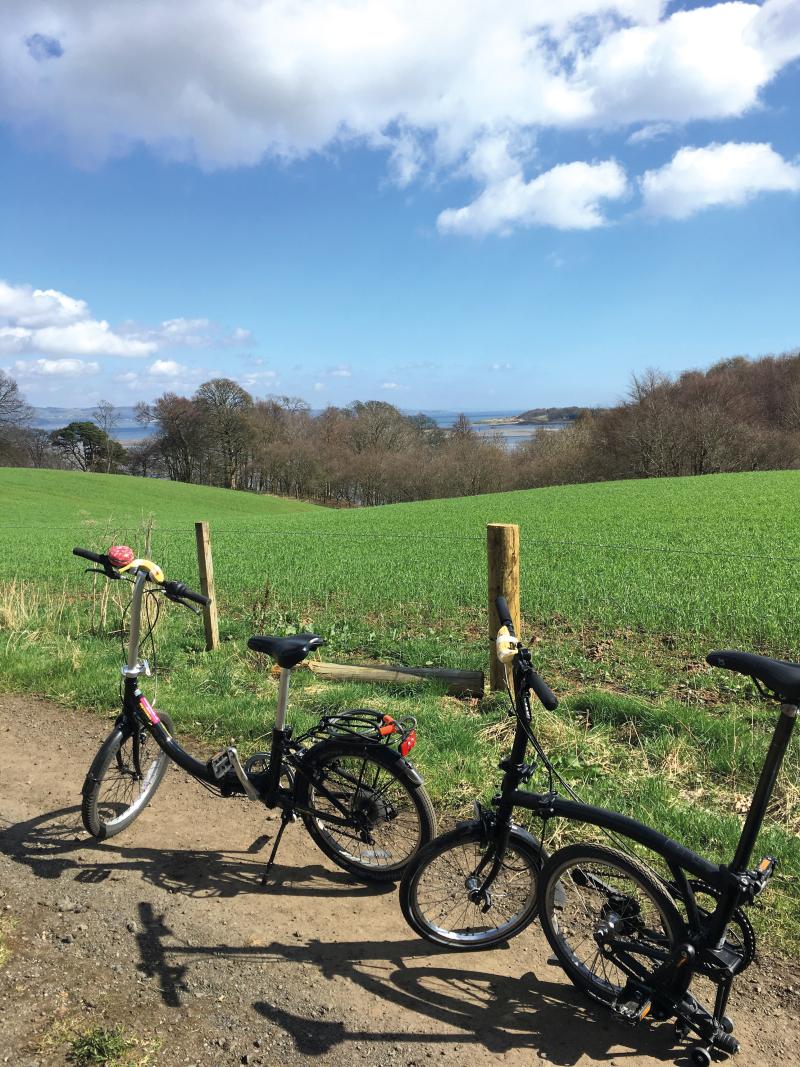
778 675
286 651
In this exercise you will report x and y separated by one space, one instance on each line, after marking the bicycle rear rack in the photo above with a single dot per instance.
365 724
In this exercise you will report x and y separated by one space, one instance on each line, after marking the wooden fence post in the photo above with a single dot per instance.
206 566
502 547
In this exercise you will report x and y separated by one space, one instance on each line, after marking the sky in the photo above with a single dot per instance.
445 204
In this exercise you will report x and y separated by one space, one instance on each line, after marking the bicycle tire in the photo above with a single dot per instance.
392 814
435 897
611 878
112 795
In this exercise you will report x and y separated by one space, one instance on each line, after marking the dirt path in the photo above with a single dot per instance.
165 930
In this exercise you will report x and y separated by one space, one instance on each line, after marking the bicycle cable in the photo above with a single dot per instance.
555 775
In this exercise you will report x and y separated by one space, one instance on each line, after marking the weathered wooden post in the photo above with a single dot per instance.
502 547
206 567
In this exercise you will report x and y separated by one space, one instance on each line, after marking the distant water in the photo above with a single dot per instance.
128 430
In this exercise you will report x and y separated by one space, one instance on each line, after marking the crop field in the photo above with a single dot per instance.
625 586
714 556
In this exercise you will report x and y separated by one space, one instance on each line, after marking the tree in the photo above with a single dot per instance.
88 448
14 411
224 406
178 435
106 417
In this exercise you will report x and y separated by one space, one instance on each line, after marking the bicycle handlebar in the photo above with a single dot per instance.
93 557
179 591
537 683
503 614
175 590
543 691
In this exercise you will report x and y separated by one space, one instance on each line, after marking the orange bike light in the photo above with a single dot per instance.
408 744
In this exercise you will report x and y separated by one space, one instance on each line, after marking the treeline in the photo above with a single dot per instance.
738 415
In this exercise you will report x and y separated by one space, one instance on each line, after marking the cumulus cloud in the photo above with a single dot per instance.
424 83
50 368
51 323
568 197
167 368
718 175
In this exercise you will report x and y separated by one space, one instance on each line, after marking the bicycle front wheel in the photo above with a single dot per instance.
607 919
364 808
122 780
442 894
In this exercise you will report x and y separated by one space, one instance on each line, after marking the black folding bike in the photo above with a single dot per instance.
628 937
348 778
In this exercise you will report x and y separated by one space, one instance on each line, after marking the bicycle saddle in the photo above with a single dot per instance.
778 675
286 651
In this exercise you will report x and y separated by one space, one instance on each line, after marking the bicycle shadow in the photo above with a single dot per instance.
55 845
451 1005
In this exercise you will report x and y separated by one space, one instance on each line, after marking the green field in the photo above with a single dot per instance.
624 587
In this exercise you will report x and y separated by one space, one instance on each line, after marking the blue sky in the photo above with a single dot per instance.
481 226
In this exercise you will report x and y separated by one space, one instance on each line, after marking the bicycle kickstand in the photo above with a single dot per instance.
286 818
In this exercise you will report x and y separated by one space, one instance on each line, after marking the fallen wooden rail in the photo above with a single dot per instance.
459 683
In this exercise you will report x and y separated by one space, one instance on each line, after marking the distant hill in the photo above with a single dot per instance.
545 415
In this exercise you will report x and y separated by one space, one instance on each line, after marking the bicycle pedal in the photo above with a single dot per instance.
228 760
221 763
635 1009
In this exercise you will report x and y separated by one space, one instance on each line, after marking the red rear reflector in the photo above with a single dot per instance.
120 555
409 743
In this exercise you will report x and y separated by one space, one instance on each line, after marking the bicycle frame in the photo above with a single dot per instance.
265 787
733 881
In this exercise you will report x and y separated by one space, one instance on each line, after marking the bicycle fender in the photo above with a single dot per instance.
364 748
91 775
516 832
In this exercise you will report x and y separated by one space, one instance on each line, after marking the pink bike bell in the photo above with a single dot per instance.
120 555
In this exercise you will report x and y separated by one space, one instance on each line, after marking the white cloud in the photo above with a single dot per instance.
501 366
54 368
187 333
653 131
167 368
343 370
30 307
703 63
569 197
391 385
720 174
54 324
430 84
253 379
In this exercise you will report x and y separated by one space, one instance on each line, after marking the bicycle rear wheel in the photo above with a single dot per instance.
441 893
607 919
122 780
389 815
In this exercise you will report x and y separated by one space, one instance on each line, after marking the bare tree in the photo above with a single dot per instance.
106 417
14 411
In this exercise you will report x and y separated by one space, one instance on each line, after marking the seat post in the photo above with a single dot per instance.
766 783
283 698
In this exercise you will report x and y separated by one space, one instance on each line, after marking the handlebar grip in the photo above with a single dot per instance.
93 557
503 614
183 592
544 692
198 598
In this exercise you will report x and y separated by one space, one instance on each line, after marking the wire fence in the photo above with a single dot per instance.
346 575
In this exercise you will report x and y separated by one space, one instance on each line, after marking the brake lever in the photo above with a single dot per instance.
106 573
183 604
